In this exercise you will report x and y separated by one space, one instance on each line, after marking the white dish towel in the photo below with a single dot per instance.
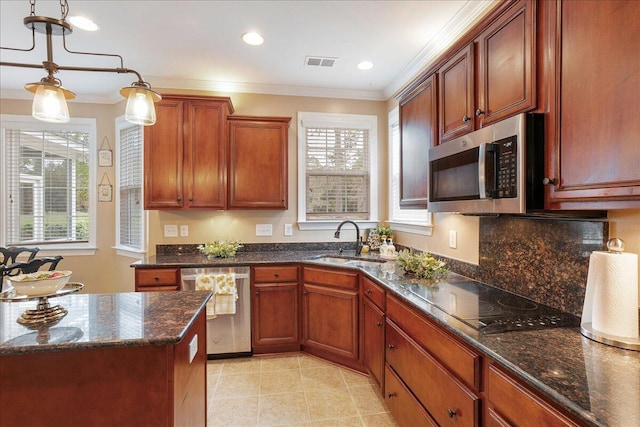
206 282
225 293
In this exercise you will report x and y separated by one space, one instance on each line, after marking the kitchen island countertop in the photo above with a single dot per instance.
598 384
103 320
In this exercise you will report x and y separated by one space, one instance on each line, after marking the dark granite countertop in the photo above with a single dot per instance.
597 383
103 320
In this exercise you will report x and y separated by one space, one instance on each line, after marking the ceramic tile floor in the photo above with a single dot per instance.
291 390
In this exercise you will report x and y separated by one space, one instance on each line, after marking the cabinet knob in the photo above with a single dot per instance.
156 278
391 347
191 199
451 413
390 395
257 292
479 112
379 324
179 199
466 118
276 275
369 291
549 181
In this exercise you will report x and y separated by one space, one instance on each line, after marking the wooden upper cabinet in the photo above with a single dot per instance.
456 95
163 151
185 154
506 73
593 146
418 133
258 166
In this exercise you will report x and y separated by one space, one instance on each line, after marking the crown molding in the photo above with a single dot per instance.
472 12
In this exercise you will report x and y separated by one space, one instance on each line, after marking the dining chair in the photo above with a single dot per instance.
11 253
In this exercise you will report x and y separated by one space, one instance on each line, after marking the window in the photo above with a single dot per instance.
48 190
337 176
130 215
411 220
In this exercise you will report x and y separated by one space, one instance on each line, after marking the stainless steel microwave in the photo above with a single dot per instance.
494 170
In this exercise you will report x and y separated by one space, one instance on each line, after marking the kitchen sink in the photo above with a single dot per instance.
351 262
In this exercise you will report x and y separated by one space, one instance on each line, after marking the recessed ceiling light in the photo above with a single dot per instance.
83 23
365 65
254 39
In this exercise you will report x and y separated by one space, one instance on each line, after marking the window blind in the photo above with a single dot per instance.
337 173
130 187
47 186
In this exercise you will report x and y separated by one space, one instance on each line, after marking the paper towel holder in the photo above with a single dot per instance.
614 245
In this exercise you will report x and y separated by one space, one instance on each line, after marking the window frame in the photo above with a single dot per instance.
357 121
88 125
416 221
125 250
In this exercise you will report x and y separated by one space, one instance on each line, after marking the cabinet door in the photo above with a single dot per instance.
456 105
205 157
593 149
258 162
506 57
373 341
330 320
274 316
163 150
406 410
418 133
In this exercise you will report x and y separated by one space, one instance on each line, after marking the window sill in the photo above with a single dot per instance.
423 229
130 253
66 251
332 225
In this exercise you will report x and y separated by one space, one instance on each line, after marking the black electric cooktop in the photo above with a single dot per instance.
491 310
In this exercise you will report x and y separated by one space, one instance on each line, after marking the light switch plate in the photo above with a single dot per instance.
171 230
453 239
264 230
288 229
184 231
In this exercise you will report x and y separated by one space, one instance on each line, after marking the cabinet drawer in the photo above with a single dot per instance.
448 401
456 357
340 279
157 277
373 291
275 274
516 405
406 410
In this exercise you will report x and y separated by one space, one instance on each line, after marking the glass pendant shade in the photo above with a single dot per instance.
50 105
140 109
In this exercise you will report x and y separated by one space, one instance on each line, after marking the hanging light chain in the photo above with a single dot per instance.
64 9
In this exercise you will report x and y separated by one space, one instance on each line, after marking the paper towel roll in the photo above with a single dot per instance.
612 293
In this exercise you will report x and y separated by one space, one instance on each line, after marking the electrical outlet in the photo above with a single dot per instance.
453 239
264 230
171 230
288 229
184 231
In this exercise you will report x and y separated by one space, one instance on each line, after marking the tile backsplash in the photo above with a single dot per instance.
544 259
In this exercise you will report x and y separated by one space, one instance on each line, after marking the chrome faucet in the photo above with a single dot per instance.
358 242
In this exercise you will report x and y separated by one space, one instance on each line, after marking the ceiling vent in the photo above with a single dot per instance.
320 61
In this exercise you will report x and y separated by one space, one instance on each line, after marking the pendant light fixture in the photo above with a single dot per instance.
49 101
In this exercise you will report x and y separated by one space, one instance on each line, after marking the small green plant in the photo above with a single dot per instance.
422 264
384 232
220 248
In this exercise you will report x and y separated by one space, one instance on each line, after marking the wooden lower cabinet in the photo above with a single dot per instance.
447 400
511 404
275 309
404 407
330 303
373 341
157 279
152 385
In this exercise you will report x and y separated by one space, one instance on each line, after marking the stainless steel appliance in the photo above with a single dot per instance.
227 334
496 169
488 309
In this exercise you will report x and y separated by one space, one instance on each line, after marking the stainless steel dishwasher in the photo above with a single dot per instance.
228 335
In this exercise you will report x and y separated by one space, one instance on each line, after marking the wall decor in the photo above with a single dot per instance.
105 155
105 191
